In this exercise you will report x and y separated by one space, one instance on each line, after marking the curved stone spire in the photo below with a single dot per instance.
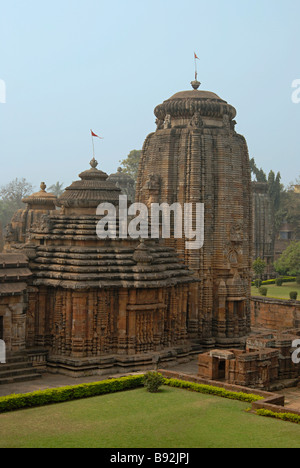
41 200
86 194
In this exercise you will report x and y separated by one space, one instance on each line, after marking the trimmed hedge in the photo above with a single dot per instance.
285 279
68 393
211 390
283 416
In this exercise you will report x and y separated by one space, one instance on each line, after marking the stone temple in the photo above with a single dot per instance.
196 156
88 305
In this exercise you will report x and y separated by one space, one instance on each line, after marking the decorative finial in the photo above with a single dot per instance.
93 163
195 84
43 186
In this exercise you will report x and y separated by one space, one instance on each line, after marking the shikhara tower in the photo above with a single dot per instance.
196 156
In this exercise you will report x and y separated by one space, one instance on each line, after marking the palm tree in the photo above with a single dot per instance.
56 189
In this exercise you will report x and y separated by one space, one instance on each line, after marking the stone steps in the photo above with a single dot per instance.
17 369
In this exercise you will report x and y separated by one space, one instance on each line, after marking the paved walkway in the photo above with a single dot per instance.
292 395
57 380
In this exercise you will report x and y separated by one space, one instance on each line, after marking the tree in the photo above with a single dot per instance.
11 196
275 188
131 163
289 261
259 267
56 189
15 191
259 173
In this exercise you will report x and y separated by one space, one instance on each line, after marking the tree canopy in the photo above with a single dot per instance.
289 261
259 267
11 196
131 163
56 189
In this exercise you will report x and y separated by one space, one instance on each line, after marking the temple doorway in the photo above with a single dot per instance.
221 369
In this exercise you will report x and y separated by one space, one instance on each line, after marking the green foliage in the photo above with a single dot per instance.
212 390
259 266
263 291
131 163
295 418
257 283
275 189
56 395
289 261
11 196
293 295
259 173
298 279
278 281
152 381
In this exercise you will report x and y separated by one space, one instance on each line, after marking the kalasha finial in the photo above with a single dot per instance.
93 163
43 186
195 84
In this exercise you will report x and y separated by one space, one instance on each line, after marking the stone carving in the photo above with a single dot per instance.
167 121
152 182
236 232
159 124
10 234
196 121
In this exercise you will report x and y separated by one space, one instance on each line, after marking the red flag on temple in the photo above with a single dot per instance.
196 56
94 135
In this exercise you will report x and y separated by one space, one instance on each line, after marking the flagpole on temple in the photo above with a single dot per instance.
195 58
93 143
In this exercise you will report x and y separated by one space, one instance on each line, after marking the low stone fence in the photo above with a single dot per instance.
274 314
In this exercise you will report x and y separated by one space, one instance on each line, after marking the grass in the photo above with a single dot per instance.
278 292
172 418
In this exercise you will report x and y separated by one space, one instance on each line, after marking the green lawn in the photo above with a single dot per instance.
172 418
278 292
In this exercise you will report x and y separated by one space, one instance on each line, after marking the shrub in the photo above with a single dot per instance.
152 381
278 281
212 390
263 291
298 279
283 416
258 283
293 295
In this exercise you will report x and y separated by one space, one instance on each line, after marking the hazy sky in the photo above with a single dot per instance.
73 65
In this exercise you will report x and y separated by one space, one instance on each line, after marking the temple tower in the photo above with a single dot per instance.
263 225
196 156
